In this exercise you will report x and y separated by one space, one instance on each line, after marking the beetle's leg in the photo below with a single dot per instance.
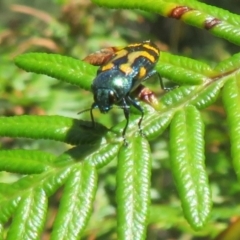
153 72
137 105
94 105
92 118
161 83
125 108
91 114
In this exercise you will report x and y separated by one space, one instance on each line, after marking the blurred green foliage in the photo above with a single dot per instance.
77 28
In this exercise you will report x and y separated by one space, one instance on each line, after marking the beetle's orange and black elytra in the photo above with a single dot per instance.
121 72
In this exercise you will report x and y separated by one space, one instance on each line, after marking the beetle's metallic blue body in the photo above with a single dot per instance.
121 75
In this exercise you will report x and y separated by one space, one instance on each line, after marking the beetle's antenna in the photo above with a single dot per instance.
85 110
91 114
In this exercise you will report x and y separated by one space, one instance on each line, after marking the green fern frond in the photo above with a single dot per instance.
25 201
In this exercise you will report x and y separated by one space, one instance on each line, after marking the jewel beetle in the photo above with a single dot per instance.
121 72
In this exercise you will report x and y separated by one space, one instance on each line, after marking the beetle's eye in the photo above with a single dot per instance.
112 97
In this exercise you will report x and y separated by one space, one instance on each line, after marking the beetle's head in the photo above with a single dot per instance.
104 98
109 88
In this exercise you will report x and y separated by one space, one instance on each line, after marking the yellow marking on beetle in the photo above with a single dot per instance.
134 45
142 72
151 48
131 58
126 68
108 66
120 54
134 55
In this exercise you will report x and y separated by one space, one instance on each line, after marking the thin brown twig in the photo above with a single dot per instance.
32 11
42 42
